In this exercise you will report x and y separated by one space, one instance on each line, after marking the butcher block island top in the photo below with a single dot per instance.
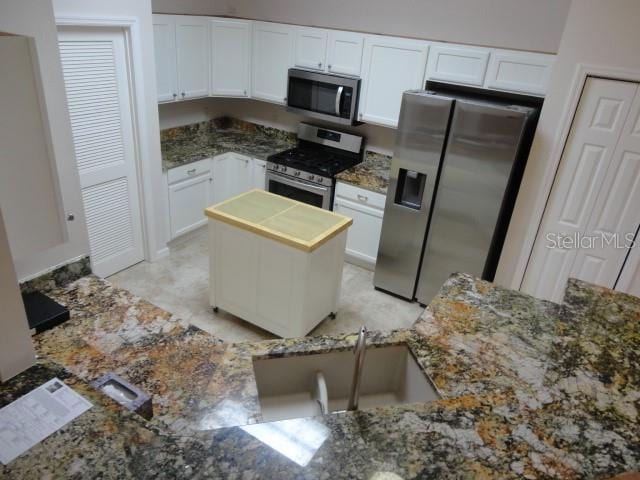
293 223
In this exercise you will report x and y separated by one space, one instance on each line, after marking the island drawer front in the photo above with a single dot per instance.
360 195
189 170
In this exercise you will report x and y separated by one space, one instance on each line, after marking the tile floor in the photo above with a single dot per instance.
179 283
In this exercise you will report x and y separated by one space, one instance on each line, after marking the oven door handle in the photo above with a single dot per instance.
338 99
297 183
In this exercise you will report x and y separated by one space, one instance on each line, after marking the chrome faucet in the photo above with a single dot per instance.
359 351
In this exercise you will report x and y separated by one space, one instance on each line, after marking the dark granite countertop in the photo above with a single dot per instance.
372 174
531 389
190 143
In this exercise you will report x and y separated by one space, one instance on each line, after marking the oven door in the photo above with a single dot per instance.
324 96
299 190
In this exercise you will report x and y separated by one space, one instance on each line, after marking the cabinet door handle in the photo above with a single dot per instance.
191 172
245 93
363 198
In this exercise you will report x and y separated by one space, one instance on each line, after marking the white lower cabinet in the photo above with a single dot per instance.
232 175
367 209
259 173
190 193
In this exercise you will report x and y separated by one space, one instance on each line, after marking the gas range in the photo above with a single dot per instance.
307 172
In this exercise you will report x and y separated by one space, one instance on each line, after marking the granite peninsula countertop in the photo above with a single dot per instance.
188 144
372 174
531 389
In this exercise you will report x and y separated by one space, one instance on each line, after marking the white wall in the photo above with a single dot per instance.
28 159
16 350
145 104
34 19
517 24
379 139
599 35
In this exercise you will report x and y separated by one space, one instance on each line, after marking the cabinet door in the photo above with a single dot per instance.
344 52
187 201
457 64
232 176
273 49
164 42
230 57
241 174
391 66
363 238
519 72
192 47
221 172
259 173
311 48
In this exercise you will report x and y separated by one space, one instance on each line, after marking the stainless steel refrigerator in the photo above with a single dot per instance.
455 172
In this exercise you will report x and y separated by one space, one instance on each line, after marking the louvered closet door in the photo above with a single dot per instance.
96 80
595 191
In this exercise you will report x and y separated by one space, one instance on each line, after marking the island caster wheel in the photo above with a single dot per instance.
332 315
215 309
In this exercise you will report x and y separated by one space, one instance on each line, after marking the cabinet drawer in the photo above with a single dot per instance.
188 171
520 72
461 65
360 195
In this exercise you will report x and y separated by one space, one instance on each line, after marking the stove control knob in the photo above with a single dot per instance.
319 179
276 167
311 177
283 169
296 173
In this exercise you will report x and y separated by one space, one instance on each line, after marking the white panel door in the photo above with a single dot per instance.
629 280
344 52
164 42
311 48
94 63
230 58
391 66
616 209
273 51
192 53
589 152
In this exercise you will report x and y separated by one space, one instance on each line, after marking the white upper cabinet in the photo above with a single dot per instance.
390 67
164 41
230 57
192 47
457 64
311 48
273 52
344 52
519 71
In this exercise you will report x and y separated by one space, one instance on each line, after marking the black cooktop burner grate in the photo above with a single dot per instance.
316 160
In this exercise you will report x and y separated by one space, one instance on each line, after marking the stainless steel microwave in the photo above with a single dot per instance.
329 97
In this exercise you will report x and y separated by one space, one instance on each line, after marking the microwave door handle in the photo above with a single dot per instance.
338 98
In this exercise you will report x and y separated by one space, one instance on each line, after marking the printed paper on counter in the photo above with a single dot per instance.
33 417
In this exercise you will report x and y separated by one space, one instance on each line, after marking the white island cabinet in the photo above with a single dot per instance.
275 262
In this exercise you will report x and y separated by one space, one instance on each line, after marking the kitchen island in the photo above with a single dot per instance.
276 262
531 389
